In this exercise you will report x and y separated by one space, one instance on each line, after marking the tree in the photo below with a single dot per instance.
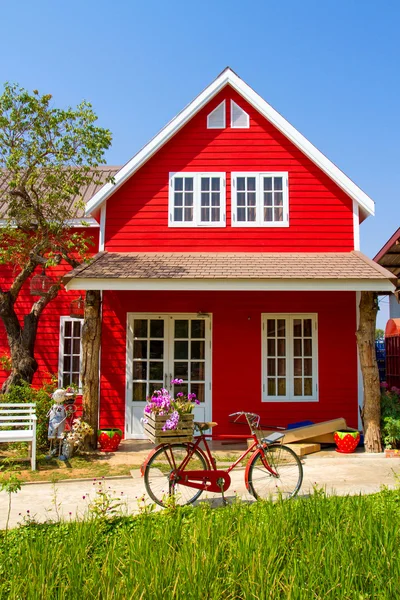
47 155
371 413
379 335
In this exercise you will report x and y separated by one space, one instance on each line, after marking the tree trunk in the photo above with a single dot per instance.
91 335
21 342
371 413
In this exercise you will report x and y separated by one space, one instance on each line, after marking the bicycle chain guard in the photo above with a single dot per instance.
207 480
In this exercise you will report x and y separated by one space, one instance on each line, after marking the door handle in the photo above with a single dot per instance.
166 381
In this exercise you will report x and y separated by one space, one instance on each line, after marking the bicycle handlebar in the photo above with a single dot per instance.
253 420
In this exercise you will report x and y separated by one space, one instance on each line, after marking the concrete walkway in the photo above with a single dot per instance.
337 473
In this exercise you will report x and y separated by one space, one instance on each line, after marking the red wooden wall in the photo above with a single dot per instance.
47 341
236 351
320 213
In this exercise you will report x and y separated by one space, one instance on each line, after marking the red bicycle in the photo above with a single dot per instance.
184 470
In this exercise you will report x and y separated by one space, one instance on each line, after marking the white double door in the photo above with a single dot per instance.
161 348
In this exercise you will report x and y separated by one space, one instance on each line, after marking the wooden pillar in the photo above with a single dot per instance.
371 414
91 337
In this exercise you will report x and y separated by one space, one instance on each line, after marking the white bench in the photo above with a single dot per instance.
22 417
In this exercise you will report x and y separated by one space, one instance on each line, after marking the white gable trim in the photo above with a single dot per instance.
225 78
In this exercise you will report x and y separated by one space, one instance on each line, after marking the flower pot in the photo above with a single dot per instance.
392 453
346 441
109 439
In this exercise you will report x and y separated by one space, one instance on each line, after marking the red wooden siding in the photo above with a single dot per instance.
320 213
236 351
47 341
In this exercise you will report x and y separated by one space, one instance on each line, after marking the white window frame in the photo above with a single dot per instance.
212 112
289 397
259 222
233 126
63 320
197 200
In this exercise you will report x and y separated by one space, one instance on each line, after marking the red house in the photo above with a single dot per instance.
228 257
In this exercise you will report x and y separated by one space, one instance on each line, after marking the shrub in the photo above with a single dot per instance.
390 417
42 398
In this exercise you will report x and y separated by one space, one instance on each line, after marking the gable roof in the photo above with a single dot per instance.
228 77
389 256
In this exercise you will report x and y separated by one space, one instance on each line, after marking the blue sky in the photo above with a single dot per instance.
331 68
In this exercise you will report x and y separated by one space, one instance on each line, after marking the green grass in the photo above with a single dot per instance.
316 548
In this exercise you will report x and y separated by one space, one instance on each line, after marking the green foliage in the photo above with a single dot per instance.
379 334
330 548
41 396
390 417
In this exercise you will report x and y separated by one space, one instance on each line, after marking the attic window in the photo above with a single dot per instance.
216 118
239 118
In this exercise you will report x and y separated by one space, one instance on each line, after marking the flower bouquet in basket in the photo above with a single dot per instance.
169 419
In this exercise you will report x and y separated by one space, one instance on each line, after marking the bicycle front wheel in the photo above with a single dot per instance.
286 478
161 487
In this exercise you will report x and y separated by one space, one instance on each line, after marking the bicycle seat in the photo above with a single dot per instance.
205 425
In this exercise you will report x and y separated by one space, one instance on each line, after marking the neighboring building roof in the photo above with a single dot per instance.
228 77
389 256
86 193
126 270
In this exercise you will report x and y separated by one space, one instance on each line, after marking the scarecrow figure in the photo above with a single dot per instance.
57 417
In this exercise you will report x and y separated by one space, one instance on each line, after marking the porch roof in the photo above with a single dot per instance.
222 270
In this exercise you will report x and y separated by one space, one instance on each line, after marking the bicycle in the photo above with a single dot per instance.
175 469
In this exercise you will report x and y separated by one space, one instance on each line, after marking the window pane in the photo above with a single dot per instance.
188 214
178 184
281 347
215 183
205 199
188 184
197 370
139 369
241 183
188 199
297 328
268 199
75 364
178 199
281 387
67 328
241 199
67 363
197 349
278 199
67 346
215 215
76 347
140 349
307 347
271 366
251 183
268 215
156 349
241 214
307 327
297 348
308 386
139 392
181 328
181 350
156 370
66 380
268 183
205 215
278 214
251 214
140 328
271 347
205 184
198 328
282 366
75 379
278 183
156 328
215 199
251 199
281 328
178 214
298 366
298 387
307 366
271 327
198 389
181 370
271 387
77 329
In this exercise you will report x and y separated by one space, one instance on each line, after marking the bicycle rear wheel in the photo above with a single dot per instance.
161 465
268 486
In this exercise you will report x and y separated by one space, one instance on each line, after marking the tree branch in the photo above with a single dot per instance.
40 305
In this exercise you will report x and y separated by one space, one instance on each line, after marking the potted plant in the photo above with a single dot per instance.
167 418
346 441
390 420
109 439
74 439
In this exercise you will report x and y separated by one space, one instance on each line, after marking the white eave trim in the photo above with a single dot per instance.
298 285
229 77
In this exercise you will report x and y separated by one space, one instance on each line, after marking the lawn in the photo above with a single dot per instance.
312 548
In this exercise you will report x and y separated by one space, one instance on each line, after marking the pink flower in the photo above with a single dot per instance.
384 385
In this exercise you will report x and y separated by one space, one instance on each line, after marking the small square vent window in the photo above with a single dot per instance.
239 118
216 118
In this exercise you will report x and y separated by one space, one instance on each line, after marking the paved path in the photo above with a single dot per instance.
340 474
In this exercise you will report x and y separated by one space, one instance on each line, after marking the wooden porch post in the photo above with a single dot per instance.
371 413
91 335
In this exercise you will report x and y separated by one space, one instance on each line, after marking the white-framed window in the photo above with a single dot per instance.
239 117
196 200
289 358
70 352
260 199
216 118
